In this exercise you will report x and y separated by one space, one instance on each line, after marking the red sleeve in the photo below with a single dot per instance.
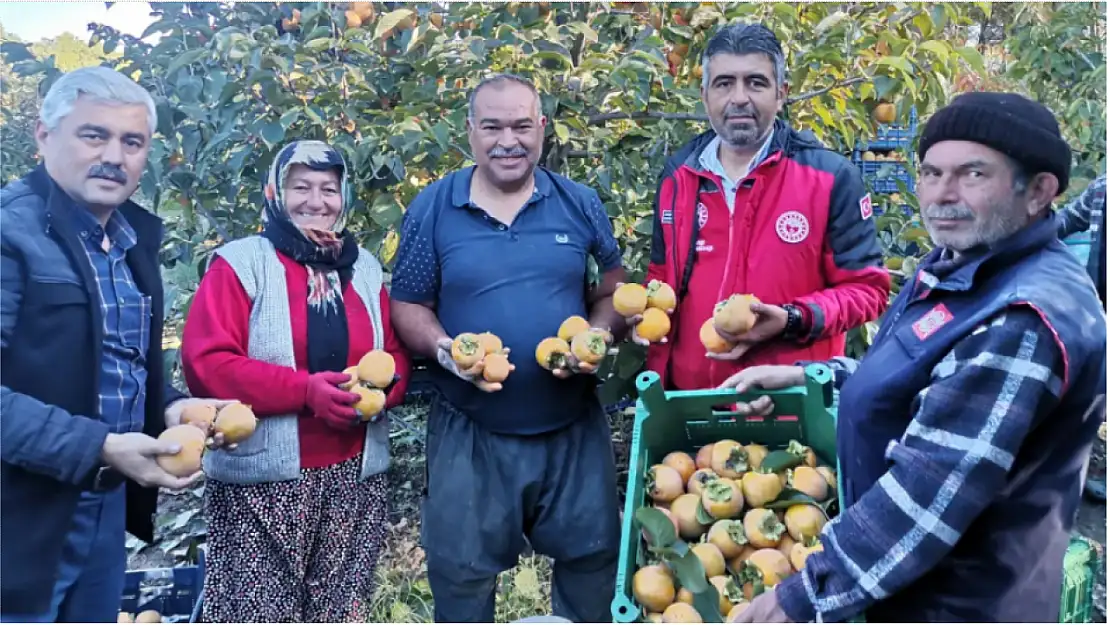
659 353
396 349
214 350
859 284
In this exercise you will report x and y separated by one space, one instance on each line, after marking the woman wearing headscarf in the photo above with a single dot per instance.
297 512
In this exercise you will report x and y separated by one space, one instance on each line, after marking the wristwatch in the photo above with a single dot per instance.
793 329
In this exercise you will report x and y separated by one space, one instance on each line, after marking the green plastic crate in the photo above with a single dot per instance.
1081 565
686 420
667 421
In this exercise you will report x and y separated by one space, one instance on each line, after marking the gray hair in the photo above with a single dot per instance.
497 79
741 38
101 84
1020 174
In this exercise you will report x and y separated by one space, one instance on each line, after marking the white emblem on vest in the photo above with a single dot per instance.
792 227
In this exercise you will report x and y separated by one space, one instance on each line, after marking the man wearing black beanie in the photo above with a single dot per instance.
964 432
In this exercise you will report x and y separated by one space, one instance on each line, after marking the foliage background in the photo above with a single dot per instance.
620 84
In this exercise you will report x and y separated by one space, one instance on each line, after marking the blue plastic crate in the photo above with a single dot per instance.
892 136
906 209
175 593
882 176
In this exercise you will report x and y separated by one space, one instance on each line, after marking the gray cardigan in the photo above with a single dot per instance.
272 453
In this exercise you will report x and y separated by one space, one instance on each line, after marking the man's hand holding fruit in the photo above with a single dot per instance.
646 310
477 358
742 322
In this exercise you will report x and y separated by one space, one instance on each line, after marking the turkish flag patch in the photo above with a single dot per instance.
932 321
865 208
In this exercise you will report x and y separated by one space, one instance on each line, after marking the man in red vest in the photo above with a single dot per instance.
755 207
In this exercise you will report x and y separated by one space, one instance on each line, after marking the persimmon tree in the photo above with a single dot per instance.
388 85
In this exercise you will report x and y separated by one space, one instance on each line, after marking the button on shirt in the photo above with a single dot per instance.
518 280
126 313
710 161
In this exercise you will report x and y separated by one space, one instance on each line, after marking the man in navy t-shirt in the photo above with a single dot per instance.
503 247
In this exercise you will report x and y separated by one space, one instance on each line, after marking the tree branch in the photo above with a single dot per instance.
813 94
601 118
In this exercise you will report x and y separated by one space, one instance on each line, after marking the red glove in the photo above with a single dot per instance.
329 402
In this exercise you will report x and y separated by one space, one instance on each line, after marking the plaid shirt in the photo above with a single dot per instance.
969 424
126 312
1088 213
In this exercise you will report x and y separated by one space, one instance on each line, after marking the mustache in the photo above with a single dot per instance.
736 110
949 211
500 152
108 171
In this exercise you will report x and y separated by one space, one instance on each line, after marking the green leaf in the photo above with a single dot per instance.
562 132
896 62
184 59
708 603
682 32
589 34
939 48
15 52
778 461
288 118
790 497
972 57
829 22
389 21
660 530
316 45
704 517
924 24
272 133
940 17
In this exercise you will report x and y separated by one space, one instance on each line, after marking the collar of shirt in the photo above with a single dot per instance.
711 161
460 186
119 231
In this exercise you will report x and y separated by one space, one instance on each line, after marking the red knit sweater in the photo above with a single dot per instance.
215 362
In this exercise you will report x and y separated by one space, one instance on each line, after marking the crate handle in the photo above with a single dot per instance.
818 381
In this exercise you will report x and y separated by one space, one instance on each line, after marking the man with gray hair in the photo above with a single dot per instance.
965 429
502 246
752 206
82 389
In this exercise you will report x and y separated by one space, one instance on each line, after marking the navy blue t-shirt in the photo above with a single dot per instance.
518 281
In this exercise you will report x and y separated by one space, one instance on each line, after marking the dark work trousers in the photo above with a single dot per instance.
486 492
89 583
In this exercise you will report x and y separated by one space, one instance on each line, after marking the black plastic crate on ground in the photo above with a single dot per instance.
175 593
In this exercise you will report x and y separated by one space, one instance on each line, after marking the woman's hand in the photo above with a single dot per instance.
329 402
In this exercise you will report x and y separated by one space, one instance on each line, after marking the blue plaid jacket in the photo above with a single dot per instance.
962 438
52 342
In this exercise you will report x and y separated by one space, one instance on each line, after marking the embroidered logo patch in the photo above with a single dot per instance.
932 321
865 207
792 227
561 238
667 216
703 215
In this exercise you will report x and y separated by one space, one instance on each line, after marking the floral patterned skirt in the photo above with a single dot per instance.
298 551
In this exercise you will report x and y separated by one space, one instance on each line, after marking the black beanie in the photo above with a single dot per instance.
1010 123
